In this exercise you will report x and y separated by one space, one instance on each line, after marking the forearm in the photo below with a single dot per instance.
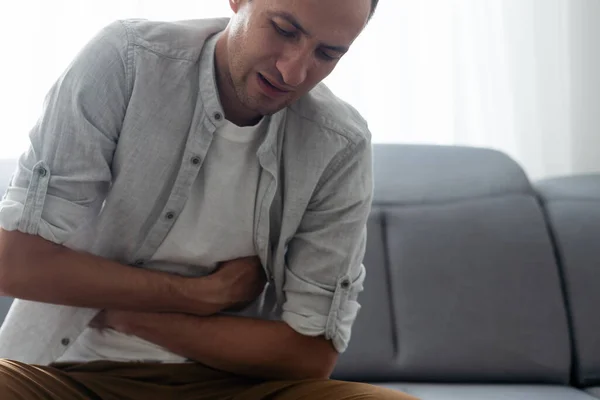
244 346
45 272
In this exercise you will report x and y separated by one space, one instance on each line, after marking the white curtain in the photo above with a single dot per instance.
519 76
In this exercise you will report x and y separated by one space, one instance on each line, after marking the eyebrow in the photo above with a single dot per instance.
292 20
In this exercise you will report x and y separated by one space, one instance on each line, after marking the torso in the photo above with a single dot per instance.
216 225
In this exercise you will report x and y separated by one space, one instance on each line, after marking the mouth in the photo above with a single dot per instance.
272 90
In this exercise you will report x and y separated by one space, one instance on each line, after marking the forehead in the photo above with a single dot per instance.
328 20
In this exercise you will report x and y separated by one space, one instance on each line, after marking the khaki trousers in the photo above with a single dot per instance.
105 380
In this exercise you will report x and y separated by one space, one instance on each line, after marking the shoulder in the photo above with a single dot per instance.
178 39
330 115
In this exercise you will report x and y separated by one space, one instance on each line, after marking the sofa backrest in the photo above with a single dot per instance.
462 284
7 168
573 207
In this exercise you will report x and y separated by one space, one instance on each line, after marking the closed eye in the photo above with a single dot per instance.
325 56
283 32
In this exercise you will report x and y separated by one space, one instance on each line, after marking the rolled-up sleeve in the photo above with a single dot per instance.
324 270
61 181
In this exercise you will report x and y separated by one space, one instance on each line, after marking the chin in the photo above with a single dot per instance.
271 109
258 103
266 107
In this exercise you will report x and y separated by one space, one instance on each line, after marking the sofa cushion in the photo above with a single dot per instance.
595 391
490 392
476 292
469 274
372 344
571 188
6 171
7 168
573 207
5 303
416 174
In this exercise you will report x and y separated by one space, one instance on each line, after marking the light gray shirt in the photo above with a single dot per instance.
216 225
122 138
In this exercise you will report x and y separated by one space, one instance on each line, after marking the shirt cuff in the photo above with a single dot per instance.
58 220
314 310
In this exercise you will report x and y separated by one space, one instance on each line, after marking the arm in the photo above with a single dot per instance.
324 273
46 272
60 185
61 182
244 346
33 268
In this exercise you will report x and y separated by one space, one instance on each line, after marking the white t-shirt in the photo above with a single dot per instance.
205 234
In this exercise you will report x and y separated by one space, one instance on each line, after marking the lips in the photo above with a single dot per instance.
273 86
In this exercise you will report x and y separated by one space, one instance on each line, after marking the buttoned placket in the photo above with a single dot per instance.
267 157
194 155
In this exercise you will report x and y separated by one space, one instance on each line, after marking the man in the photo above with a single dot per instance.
189 222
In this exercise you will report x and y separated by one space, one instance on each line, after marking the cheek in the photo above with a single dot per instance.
259 54
267 44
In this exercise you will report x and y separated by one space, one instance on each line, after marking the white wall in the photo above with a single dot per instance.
585 89
537 52
516 75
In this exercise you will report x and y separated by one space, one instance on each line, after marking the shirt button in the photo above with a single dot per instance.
139 263
196 160
170 215
218 116
65 341
42 172
345 284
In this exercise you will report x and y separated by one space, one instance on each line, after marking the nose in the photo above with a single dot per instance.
293 67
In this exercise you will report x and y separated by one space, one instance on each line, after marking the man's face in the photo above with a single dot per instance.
278 50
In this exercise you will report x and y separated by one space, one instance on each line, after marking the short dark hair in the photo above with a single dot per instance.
373 7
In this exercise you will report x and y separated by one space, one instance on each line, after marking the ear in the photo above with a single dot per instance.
234 5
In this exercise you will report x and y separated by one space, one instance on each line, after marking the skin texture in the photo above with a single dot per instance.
243 346
33 268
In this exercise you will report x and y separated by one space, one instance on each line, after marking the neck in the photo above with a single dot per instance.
232 106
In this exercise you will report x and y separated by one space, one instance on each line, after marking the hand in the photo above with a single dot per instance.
234 284
240 281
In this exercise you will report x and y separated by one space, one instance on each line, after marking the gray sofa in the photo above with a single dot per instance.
480 285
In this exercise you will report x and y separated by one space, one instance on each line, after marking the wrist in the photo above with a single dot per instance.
203 296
